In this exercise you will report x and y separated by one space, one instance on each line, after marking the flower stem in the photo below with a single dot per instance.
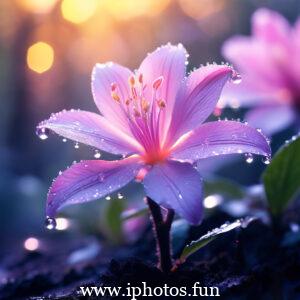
161 228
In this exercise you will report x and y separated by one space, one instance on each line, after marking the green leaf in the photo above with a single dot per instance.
282 177
111 219
194 246
224 187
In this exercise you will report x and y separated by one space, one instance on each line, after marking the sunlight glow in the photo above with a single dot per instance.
78 11
126 9
37 6
40 57
201 8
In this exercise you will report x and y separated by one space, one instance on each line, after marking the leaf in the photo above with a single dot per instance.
134 213
194 246
111 219
282 177
224 187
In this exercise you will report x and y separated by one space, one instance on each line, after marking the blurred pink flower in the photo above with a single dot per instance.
153 118
269 62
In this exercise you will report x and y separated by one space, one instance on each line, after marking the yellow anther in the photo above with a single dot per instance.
145 105
141 78
161 103
157 82
131 81
115 96
113 86
136 112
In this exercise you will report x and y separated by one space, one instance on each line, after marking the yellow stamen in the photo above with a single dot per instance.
115 96
131 81
141 78
161 103
136 112
145 105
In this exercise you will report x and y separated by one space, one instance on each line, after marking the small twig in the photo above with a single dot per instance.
161 229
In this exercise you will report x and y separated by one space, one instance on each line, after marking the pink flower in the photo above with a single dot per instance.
153 118
269 62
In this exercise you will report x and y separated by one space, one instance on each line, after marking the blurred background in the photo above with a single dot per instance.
47 51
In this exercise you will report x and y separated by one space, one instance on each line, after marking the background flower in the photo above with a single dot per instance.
269 63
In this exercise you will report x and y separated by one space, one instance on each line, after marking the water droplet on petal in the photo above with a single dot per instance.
266 160
107 198
42 133
249 158
97 154
120 196
76 146
236 78
50 223
64 140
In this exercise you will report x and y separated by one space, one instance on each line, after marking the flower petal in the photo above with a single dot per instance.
219 138
270 26
91 129
169 62
197 98
178 186
258 61
271 118
103 76
90 180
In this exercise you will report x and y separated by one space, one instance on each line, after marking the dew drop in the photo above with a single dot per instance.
64 140
97 154
236 78
266 160
50 223
249 158
120 196
42 133
107 198
76 146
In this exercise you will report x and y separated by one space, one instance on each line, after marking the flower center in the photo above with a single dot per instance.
144 110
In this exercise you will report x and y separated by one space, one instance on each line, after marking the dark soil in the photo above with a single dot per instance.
252 263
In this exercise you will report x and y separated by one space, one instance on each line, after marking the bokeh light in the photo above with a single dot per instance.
126 9
37 6
31 244
78 11
201 8
40 57
62 223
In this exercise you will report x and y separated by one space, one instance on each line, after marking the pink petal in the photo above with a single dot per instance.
270 26
90 180
258 61
197 98
178 186
249 92
91 129
169 62
103 76
220 138
271 118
